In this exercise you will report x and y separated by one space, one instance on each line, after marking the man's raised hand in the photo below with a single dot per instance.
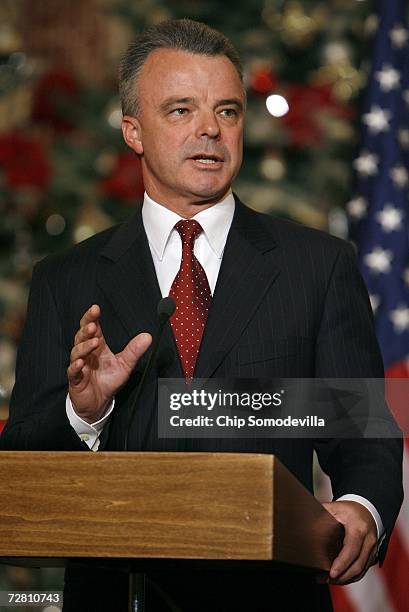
95 374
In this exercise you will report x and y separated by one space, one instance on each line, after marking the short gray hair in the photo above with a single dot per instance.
183 34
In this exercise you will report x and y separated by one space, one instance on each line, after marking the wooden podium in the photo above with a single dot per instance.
149 509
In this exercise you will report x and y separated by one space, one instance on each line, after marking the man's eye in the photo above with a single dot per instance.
229 112
180 111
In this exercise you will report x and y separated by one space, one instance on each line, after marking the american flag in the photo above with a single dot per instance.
379 226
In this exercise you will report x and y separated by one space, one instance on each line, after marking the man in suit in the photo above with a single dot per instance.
276 300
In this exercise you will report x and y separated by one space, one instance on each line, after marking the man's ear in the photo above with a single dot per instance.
132 133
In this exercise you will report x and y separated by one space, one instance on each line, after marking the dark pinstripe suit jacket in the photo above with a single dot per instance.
289 302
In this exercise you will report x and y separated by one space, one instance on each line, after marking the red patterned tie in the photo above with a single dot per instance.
191 292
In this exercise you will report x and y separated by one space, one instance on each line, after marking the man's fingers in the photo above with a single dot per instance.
74 372
359 567
350 552
91 315
83 349
134 350
86 332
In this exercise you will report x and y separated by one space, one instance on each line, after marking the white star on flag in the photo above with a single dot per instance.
379 260
403 135
375 301
400 318
377 119
399 36
388 78
367 163
357 207
390 218
399 175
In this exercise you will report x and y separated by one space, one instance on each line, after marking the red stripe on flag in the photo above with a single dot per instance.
400 369
340 600
397 387
395 572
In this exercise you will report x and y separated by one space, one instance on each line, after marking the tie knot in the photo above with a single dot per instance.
188 230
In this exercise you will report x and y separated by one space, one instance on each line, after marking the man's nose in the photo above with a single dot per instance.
208 125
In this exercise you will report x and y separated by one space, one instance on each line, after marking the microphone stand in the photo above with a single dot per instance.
166 308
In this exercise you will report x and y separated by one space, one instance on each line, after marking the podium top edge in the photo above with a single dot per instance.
184 456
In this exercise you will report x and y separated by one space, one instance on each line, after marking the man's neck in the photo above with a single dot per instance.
185 208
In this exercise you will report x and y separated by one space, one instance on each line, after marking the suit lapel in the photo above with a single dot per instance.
128 279
246 273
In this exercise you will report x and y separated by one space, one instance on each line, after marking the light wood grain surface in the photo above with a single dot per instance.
218 506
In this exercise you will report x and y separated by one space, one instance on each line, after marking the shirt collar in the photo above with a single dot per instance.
159 222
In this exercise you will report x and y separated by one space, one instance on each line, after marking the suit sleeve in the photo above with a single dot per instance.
347 348
37 415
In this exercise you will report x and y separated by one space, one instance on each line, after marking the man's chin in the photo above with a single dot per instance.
208 195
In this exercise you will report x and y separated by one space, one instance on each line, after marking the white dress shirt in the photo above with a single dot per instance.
166 248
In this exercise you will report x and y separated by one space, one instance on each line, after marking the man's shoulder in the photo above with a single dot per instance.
288 233
83 253
86 254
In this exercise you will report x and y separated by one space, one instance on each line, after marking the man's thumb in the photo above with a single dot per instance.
135 349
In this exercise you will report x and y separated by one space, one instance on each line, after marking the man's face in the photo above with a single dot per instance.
189 129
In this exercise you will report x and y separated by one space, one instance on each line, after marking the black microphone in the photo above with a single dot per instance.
165 310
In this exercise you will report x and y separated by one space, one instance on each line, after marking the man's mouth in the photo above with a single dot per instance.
207 159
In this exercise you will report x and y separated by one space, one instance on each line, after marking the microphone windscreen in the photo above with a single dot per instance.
166 308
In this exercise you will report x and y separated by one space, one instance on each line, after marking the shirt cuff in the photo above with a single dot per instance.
365 502
88 432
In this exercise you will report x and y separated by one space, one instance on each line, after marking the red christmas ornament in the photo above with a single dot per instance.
54 88
263 81
306 102
125 182
24 161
